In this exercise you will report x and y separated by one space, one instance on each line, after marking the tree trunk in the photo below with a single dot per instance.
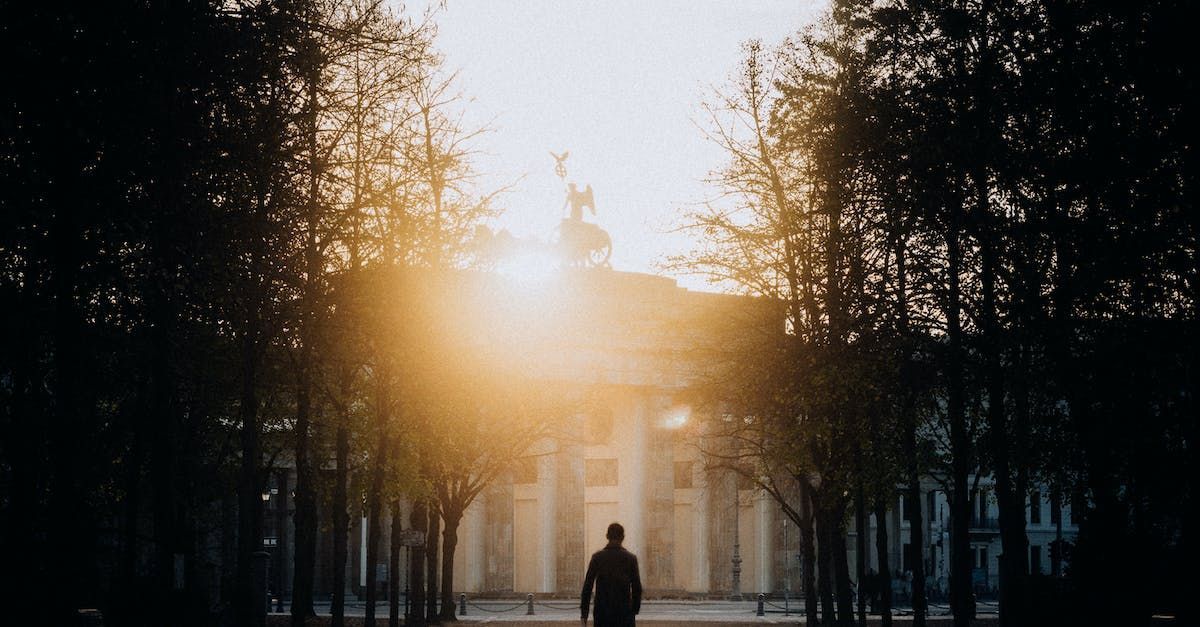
841 567
394 567
306 502
164 459
884 577
916 526
908 418
305 518
249 492
19 515
375 495
1002 438
962 598
341 521
1014 549
431 564
825 551
419 520
860 546
449 544
374 530
808 557
129 601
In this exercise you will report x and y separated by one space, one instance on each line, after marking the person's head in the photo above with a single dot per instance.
571 186
615 533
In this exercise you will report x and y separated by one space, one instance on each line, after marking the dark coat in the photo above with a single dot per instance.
614 572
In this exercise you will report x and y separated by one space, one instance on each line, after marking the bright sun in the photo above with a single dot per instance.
528 268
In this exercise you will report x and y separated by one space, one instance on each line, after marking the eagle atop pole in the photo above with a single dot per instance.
560 163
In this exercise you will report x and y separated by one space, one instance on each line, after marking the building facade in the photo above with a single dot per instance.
631 346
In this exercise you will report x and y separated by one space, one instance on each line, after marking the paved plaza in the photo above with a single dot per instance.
664 613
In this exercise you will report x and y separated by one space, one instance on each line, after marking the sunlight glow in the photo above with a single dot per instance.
529 268
677 417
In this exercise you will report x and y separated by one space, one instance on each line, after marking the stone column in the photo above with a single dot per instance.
721 490
498 543
659 499
632 478
571 521
704 509
765 521
548 519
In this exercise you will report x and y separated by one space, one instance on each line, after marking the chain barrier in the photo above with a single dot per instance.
933 609
678 603
508 609
529 603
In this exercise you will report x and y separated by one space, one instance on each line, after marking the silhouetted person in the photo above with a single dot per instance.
614 572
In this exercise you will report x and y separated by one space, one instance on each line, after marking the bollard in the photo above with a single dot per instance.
529 601
760 605
462 604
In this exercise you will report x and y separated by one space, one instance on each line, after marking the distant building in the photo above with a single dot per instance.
632 345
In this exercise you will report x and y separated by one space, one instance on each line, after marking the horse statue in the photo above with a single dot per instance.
584 245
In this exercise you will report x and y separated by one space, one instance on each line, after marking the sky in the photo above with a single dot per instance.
619 84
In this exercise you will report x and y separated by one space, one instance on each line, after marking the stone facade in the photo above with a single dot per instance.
630 347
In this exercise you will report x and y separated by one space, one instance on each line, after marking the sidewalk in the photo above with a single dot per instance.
564 613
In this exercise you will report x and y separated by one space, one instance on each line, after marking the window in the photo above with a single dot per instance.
1035 508
1076 509
908 558
683 475
981 557
1055 509
599 472
1035 559
525 470
979 509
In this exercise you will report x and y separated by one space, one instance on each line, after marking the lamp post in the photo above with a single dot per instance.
736 595
281 547
275 545
262 569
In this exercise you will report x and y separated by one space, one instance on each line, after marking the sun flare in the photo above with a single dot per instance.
529 268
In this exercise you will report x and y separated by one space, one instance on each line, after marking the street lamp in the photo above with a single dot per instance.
736 595
274 545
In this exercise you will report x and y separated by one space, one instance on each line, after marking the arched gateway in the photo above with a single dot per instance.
632 346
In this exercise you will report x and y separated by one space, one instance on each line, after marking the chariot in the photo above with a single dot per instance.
584 245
